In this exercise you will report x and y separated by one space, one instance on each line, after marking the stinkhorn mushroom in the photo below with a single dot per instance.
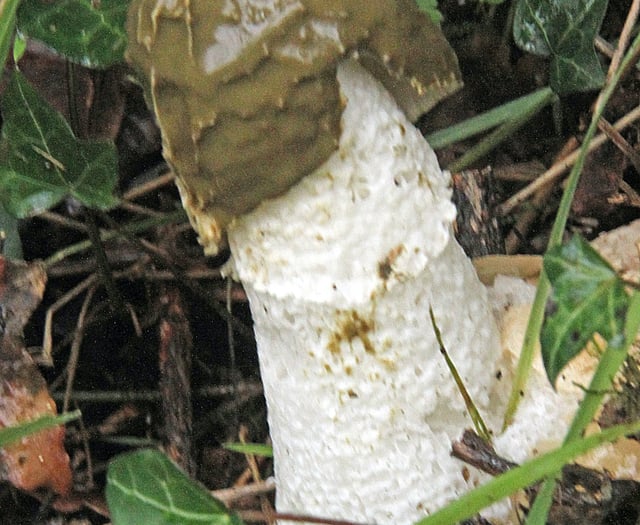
339 222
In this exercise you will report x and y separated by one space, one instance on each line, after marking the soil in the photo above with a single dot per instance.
164 333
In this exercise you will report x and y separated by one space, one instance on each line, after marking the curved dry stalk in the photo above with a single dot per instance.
560 168
74 356
47 339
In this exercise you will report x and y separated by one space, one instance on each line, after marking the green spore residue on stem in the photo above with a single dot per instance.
246 93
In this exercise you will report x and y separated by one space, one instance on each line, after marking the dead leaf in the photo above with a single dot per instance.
39 460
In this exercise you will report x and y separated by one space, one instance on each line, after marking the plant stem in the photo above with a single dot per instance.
531 336
537 309
116 300
136 227
249 390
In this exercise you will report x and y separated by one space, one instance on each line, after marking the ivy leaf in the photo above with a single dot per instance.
85 31
42 162
146 487
588 297
565 30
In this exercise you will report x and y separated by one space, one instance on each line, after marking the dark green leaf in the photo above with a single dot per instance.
565 30
588 297
10 434
41 161
89 32
145 487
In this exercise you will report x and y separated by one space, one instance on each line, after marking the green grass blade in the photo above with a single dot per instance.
256 449
8 10
490 119
14 433
525 475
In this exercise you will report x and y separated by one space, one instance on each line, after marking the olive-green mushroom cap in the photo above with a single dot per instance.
245 91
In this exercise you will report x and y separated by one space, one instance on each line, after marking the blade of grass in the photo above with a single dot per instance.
476 418
522 476
14 433
8 10
506 130
490 119
257 449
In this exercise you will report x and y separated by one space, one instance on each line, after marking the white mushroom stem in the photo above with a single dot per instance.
340 273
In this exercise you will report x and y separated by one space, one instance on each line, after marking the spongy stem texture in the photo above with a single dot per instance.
340 273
